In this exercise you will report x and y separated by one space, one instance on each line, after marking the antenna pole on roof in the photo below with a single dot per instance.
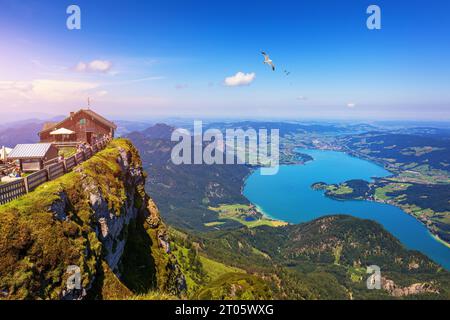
89 102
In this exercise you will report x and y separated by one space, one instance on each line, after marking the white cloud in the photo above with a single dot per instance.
46 90
351 105
240 79
102 93
126 82
13 90
81 67
302 98
15 86
55 90
99 66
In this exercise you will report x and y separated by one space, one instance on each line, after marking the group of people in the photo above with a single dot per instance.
17 173
82 146
14 173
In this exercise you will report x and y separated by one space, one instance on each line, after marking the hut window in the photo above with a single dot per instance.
82 121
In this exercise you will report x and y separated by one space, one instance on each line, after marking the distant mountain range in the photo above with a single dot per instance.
196 186
26 131
125 127
295 127
22 131
102 219
322 259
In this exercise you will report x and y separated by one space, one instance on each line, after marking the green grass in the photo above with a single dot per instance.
337 254
236 286
154 295
214 224
182 255
67 152
37 248
216 269
45 243
422 174
343 189
356 274
239 213
380 193
265 255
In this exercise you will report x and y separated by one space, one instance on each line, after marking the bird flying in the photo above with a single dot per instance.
267 60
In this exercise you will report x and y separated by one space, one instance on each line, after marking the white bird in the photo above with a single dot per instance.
268 61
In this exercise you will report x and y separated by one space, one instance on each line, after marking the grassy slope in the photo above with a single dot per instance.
324 259
36 248
215 269
240 213
196 187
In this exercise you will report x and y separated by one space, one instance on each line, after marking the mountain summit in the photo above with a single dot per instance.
97 219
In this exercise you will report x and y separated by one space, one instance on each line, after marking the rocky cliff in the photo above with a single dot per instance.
95 224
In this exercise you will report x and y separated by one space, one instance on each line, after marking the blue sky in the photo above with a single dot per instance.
142 59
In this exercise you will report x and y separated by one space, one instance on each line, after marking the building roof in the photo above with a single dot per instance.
99 118
30 151
52 125
61 131
49 125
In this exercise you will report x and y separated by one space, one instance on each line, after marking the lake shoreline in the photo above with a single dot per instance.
432 232
286 202
257 208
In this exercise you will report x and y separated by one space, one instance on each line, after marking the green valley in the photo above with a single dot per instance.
215 245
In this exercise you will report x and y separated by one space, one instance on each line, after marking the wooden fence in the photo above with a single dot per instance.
79 157
13 190
50 162
36 179
56 170
87 153
70 163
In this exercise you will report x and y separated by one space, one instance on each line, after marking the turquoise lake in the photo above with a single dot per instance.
288 196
